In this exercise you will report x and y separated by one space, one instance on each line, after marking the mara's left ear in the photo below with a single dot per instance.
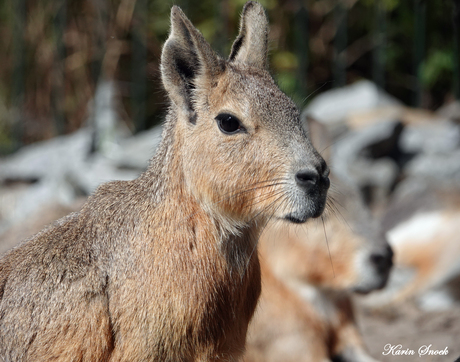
186 58
251 45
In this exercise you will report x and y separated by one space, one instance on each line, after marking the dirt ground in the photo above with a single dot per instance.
408 326
405 325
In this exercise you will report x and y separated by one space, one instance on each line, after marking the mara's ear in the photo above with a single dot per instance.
251 45
186 58
319 136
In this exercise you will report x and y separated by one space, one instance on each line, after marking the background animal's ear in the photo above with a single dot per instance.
186 60
251 45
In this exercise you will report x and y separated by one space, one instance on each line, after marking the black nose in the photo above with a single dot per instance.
306 178
309 178
383 260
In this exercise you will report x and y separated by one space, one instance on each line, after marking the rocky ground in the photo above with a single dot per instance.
413 329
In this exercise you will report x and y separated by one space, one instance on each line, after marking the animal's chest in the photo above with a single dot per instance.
215 299
195 304
222 316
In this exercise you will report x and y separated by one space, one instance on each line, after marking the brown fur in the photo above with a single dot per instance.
164 267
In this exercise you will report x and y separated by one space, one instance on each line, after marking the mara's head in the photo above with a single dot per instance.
243 152
361 255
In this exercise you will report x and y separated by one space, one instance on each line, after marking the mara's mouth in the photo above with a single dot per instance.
363 290
301 217
310 211
295 219
378 283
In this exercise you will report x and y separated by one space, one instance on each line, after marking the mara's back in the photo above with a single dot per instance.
165 267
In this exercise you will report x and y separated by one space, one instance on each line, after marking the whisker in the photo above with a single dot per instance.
316 90
271 184
337 139
282 204
268 195
332 206
328 250
268 206
262 230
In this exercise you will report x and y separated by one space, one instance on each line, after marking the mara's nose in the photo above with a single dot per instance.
309 178
306 178
383 259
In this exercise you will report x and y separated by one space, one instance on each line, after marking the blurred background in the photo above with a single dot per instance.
81 102
54 54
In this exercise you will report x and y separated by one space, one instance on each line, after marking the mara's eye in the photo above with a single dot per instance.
229 124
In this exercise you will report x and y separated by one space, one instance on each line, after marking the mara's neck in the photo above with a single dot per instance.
164 174
179 209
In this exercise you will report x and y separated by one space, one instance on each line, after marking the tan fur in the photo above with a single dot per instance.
164 267
426 242
284 327
301 253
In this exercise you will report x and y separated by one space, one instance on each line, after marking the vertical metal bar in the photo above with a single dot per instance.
18 81
378 66
301 47
99 36
220 43
58 91
139 65
456 29
340 44
419 48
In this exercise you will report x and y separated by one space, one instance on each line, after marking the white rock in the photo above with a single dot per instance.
335 105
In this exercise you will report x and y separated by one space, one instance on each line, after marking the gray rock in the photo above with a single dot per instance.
440 168
59 170
96 171
450 111
18 203
135 152
334 106
430 138
47 159
363 157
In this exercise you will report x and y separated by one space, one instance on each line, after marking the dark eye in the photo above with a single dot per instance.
229 124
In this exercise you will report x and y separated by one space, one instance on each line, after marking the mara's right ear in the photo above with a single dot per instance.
251 45
186 58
